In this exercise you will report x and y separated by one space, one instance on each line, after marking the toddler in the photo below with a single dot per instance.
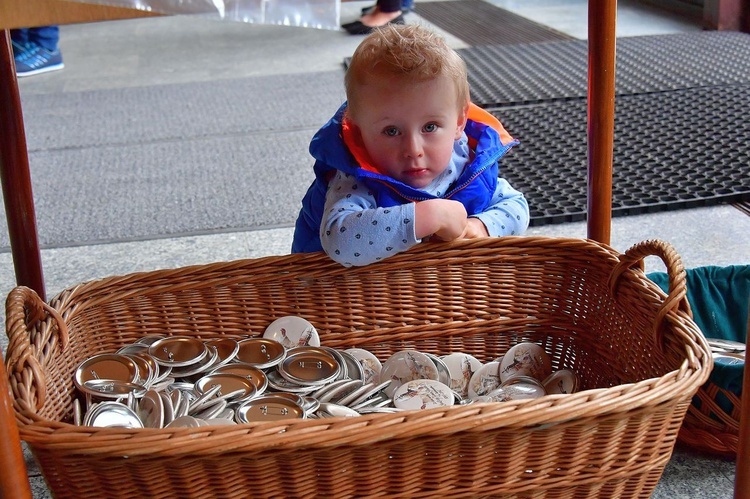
407 157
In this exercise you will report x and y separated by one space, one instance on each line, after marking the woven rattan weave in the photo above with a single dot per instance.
639 354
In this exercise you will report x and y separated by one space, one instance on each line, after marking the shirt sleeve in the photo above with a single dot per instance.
508 213
355 231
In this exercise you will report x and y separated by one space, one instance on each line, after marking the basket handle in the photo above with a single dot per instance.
23 310
677 296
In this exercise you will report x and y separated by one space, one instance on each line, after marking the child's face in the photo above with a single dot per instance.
409 128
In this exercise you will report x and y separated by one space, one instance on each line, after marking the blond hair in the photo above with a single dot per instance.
409 52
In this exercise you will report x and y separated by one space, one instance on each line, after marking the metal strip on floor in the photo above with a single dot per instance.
480 23
744 207
673 150
526 73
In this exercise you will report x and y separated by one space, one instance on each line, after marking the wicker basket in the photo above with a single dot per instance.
708 427
719 300
638 352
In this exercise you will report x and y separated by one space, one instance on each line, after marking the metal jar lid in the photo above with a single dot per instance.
242 387
178 351
292 331
256 376
407 365
109 389
204 365
112 415
354 368
423 394
309 366
260 352
517 388
523 387
227 349
268 408
562 381
526 359
486 379
146 370
371 365
343 366
462 367
279 383
107 366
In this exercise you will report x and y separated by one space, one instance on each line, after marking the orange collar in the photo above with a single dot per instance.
353 141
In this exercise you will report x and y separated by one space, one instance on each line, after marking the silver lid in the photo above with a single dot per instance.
112 415
112 367
277 382
206 364
146 373
256 376
241 387
309 366
268 408
109 389
353 366
178 351
343 367
226 348
260 352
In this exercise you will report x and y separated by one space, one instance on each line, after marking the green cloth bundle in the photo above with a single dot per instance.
720 300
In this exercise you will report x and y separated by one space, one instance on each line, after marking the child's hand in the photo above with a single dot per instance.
475 228
443 219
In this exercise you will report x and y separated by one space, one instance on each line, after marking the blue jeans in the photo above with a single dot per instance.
394 5
45 36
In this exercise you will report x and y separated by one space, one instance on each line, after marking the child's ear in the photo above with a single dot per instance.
461 123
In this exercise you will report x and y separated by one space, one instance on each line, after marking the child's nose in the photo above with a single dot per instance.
413 146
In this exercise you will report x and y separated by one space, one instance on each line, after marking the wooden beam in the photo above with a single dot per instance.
30 13
15 177
723 15
601 116
14 480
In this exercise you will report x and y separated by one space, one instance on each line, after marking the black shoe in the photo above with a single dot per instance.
357 28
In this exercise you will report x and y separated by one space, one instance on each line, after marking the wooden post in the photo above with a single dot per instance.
15 176
14 479
601 117
723 15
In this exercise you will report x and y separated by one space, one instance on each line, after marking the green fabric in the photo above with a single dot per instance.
719 298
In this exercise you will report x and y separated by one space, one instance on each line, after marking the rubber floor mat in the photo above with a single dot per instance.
512 74
673 150
480 23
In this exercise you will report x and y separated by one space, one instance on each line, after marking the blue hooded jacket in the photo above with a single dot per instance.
474 188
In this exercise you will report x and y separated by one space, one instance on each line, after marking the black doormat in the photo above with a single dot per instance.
512 74
480 23
673 150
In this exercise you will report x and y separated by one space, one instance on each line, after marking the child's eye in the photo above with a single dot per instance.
430 127
391 131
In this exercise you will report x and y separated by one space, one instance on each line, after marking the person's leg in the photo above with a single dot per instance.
386 11
36 51
20 36
406 7
45 36
20 40
389 6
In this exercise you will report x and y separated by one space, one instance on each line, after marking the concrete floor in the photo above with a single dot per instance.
188 49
